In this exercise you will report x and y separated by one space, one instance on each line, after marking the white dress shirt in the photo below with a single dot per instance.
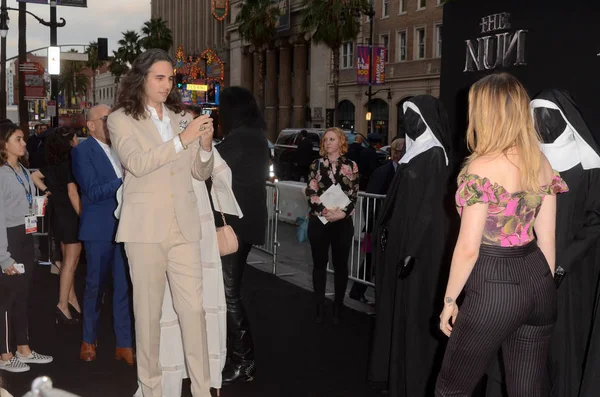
166 131
112 156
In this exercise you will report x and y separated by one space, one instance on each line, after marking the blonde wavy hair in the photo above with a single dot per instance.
500 120
341 136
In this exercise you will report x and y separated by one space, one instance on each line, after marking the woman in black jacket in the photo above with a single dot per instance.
246 151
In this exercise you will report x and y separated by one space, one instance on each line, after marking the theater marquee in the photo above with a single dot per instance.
503 48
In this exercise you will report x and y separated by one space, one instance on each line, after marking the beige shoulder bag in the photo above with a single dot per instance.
226 238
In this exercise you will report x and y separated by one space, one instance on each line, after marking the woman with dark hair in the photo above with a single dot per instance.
246 151
16 252
56 181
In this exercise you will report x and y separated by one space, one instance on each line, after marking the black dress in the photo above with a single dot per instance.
414 222
65 222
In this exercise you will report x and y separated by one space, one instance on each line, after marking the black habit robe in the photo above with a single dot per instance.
412 228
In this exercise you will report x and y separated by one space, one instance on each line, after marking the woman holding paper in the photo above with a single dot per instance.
332 191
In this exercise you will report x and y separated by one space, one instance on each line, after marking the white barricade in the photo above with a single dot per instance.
271 244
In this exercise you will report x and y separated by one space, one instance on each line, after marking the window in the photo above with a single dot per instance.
347 55
385 42
421 4
438 40
401 51
420 43
385 9
402 7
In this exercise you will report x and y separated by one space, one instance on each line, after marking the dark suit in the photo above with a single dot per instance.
246 152
98 184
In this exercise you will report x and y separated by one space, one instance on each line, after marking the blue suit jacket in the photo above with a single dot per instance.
98 185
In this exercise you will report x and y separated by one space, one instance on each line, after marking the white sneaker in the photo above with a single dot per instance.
14 365
34 358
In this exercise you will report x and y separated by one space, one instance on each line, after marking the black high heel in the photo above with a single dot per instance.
74 312
63 319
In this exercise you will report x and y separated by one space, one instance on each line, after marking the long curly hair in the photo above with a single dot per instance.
7 129
57 146
131 96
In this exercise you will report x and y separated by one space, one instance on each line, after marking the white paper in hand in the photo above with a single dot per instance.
334 197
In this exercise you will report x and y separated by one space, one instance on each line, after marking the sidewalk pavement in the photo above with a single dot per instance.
294 264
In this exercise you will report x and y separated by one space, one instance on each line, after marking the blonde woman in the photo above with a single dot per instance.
506 193
330 169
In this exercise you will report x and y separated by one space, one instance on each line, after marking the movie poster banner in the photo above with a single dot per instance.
362 64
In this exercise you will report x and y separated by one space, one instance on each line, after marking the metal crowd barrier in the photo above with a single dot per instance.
271 244
360 268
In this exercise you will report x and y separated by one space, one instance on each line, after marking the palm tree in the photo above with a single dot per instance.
332 22
156 35
117 67
93 63
130 46
73 81
258 21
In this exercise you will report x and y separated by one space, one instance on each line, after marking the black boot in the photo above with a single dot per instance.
320 313
234 372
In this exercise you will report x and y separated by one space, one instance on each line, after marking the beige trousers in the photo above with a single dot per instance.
150 265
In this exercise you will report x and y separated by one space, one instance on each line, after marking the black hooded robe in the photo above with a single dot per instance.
407 345
577 249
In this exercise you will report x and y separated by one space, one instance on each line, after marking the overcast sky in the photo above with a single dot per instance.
101 18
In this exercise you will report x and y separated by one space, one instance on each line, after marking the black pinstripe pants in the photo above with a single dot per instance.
510 303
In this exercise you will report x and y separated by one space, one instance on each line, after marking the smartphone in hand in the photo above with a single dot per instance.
19 267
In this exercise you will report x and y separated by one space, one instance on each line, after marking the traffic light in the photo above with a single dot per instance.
102 49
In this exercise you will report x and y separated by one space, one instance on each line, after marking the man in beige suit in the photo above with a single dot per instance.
161 150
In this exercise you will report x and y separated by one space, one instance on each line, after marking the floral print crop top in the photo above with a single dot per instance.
510 215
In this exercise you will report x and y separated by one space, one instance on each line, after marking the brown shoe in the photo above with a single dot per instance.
88 352
126 354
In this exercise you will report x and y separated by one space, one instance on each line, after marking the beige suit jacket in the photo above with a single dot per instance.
157 181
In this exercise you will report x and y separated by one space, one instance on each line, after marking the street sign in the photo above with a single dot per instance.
51 109
35 85
71 3
74 56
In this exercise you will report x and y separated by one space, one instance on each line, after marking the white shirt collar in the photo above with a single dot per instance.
154 113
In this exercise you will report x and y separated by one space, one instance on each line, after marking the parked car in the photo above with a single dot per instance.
284 158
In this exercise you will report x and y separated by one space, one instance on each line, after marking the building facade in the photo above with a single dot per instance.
298 82
411 32
195 29
296 72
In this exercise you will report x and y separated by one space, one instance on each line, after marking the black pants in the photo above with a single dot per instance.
510 303
240 346
338 235
20 246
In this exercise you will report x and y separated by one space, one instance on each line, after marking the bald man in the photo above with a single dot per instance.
99 174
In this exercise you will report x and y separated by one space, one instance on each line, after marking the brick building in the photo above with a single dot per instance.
411 30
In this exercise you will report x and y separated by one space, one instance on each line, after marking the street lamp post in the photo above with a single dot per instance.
53 25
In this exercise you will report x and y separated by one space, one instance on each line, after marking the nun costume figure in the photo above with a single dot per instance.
411 242
570 147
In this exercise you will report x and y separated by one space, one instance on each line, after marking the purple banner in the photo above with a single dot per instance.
362 64
379 65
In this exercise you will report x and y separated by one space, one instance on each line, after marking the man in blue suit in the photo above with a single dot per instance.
99 175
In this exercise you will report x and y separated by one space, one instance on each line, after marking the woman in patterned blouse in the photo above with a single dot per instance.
330 169
507 191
